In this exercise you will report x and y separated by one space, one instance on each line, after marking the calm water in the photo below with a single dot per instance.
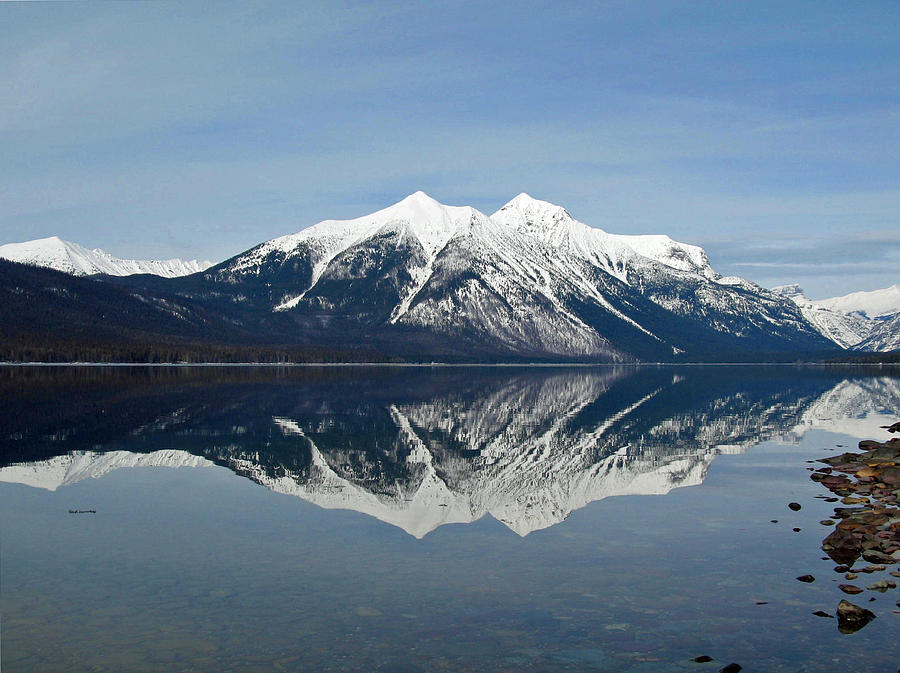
428 519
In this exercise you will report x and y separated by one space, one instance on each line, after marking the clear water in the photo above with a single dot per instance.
428 519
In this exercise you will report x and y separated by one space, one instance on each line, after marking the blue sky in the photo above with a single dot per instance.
769 133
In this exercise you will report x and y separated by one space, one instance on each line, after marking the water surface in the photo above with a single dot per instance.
428 519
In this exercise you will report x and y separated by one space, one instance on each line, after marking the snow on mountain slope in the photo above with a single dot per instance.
874 304
77 260
529 279
845 329
555 226
885 337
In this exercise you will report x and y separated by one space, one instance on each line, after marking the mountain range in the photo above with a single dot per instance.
866 321
55 253
421 280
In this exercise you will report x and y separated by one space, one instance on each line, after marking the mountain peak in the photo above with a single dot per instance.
418 206
526 211
790 291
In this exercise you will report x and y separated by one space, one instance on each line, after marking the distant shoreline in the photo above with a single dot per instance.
450 364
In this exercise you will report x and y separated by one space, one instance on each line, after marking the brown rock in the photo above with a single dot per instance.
851 618
850 589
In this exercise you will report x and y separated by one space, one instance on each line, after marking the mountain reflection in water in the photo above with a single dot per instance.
422 447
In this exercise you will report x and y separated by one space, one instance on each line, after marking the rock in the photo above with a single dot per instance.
851 618
796 530
892 428
850 589
702 659
820 613
731 668
827 522
891 476
874 556
842 546
883 453
872 569
794 506
851 576
806 578
882 585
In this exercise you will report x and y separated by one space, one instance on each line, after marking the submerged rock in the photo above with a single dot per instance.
702 659
851 618
806 578
882 586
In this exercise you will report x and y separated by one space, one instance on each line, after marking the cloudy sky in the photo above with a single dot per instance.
769 133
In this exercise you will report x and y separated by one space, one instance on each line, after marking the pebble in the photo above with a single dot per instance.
794 506
821 613
702 659
806 578
850 589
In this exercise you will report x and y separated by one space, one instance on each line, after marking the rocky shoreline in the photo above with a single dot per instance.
865 540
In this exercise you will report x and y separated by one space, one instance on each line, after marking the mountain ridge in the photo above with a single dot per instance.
421 280
55 253
527 280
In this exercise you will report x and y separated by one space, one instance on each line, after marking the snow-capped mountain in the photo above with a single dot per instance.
885 337
864 321
845 329
527 280
55 253
874 304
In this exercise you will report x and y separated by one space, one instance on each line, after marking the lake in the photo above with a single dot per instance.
431 518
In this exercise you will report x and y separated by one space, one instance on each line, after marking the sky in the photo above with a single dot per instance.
766 132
